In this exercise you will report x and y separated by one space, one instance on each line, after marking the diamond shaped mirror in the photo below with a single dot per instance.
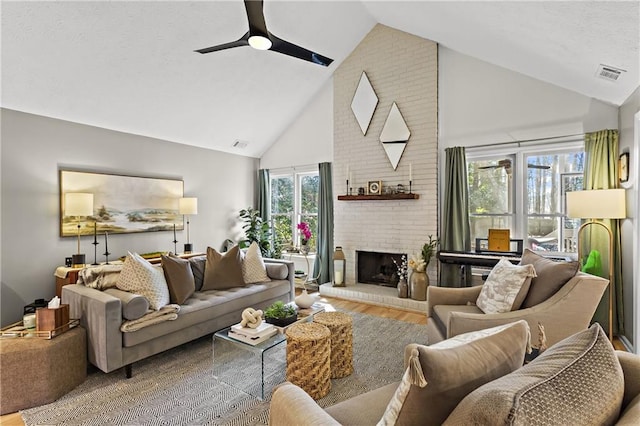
364 103
394 135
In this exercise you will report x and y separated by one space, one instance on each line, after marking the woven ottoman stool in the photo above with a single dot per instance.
341 327
36 371
308 354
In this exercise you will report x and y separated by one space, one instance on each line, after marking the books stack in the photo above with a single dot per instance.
253 336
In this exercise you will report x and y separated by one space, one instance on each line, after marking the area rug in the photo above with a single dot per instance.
178 387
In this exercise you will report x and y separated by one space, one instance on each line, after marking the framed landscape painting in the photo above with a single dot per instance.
122 204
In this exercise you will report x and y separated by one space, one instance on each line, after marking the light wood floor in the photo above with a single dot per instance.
15 419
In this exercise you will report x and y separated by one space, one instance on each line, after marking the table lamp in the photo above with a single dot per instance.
598 204
78 204
187 206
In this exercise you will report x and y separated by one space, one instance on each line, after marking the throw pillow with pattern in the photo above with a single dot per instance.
505 288
141 277
253 269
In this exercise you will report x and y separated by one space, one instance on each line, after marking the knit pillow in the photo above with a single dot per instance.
253 269
577 381
141 277
440 376
505 288
223 271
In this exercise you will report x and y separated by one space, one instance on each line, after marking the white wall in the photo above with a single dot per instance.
309 139
35 147
630 233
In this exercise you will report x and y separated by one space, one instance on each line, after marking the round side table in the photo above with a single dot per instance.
341 327
308 354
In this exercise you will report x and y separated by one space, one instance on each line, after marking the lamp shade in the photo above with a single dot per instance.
188 205
78 204
597 204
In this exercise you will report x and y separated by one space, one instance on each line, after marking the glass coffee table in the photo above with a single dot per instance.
253 369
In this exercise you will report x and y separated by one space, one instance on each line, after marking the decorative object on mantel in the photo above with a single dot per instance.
394 135
80 205
364 103
339 267
349 180
374 187
305 236
403 287
186 207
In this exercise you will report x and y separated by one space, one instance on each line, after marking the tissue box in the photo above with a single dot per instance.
48 319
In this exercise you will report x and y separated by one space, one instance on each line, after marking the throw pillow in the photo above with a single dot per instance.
576 381
550 277
197 267
253 269
505 288
179 278
141 277
449 370
223 271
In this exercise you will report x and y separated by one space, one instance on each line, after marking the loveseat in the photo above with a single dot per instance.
480 380
102 314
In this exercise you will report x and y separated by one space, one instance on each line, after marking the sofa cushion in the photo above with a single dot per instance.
505 288
223 271
141 277
441 314
179 278
351 412
277 271
134 306
550 277
197 267
576 381
253 269
452 369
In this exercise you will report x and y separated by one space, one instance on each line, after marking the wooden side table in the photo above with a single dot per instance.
64 276
35 371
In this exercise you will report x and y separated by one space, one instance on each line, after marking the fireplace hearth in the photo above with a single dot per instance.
377 268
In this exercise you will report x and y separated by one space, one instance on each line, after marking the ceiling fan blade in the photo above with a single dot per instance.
284 47
242 41
538 166
493 166
255 15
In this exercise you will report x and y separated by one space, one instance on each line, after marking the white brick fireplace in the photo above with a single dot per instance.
402 68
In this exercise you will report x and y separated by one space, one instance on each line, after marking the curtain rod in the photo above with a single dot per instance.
523 141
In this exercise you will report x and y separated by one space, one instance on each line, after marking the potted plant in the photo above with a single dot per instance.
256 229
280 314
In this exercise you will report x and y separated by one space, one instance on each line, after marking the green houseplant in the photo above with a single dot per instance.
280 314
256 229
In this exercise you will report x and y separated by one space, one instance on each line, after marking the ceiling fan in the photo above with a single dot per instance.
260 38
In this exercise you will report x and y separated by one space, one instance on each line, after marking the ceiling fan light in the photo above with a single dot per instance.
260 42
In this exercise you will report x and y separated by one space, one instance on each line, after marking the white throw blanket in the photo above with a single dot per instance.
166 313
100 277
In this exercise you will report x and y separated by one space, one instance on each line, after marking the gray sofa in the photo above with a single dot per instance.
101 314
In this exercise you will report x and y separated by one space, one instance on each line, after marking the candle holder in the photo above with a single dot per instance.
175 241
347 193
95 244
106 247
410 187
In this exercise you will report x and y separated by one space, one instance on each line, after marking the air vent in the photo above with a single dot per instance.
609 73
240 144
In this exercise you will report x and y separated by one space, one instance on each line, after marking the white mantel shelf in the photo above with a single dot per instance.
381 197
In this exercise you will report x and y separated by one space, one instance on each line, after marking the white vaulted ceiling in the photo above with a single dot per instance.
130 66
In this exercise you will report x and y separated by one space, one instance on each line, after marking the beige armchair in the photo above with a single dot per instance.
452 311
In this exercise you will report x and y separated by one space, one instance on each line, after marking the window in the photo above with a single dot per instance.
523 190
294 199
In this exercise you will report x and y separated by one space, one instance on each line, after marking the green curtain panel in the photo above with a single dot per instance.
324 249
264 198
601 172
456 231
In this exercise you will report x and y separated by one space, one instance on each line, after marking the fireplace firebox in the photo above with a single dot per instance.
377 268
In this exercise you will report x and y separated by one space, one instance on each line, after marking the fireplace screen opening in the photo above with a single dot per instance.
378 268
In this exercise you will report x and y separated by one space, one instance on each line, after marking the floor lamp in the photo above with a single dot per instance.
187 206
598 204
